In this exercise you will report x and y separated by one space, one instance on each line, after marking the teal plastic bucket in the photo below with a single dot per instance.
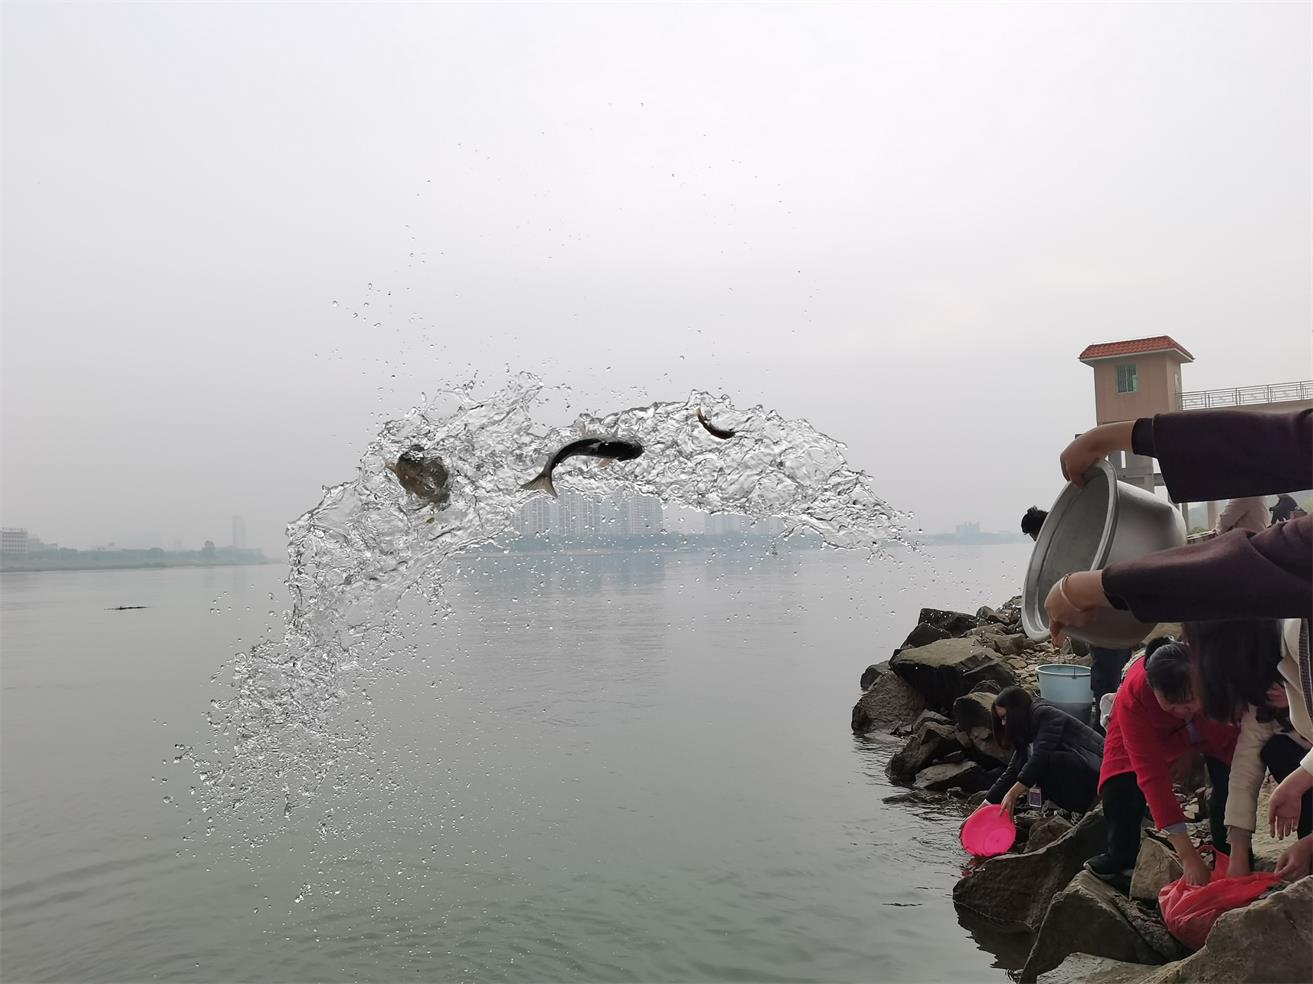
1063 683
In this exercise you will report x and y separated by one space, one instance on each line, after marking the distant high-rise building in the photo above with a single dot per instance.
13 541
538 515
647 514
635 514
239 532
578 515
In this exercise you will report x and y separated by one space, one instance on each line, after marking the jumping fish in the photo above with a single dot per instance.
611 448
423 475
714 431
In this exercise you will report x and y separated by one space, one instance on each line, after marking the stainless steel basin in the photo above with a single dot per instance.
1087 529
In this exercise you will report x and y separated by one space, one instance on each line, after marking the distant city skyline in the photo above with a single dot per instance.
572 514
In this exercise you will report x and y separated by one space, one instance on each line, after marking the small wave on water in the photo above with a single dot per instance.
281 739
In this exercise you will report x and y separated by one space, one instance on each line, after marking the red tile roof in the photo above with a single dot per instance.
1134 346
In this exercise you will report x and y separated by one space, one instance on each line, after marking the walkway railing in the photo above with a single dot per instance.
1244 396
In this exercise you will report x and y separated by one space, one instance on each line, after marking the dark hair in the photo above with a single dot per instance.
1168 671
1238 663
1016 732
1156 643
1284 508
1033 521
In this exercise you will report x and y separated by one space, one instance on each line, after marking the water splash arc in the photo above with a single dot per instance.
368 543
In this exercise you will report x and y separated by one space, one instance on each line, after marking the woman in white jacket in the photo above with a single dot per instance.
1250 670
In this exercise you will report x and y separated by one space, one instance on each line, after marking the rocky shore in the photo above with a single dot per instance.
936 693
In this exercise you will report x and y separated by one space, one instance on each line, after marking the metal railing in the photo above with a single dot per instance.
1245 396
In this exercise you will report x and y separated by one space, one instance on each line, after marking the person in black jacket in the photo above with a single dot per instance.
1050 749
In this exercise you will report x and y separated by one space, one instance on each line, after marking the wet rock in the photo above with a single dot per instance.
929 715
945 670
914 796
972 714
931 742
1090 916
999 639
987 687
974 710
954 623
987 614
981 746
1269 940
1012 644
923 635
889 704
1013 891
1045 831
873 673
1155 866
976 798
1081 968
970 776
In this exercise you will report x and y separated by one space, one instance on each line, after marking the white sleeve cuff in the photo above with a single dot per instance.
1306 763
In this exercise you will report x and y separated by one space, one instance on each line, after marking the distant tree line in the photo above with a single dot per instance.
67 559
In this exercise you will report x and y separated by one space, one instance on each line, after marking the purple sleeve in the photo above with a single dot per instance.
1228 454
1235 575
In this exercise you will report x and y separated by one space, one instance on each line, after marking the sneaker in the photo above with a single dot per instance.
1104 866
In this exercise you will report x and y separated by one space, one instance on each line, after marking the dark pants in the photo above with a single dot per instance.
1281 756
1105 674
1124 806
1068 781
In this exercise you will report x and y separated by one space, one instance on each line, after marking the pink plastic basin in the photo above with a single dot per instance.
988 831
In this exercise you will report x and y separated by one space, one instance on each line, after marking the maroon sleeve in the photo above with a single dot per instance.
1235 575
1228 454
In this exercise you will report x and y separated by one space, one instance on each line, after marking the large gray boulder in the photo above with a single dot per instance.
945 670
929 715
1090 916
1267 942
889 705
929 743
1155 866
923 635
974 710
1013 891
873 673
970 777
1045 832
1081 968
954 623
972 713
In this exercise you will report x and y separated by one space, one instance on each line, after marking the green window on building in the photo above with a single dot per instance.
1127 380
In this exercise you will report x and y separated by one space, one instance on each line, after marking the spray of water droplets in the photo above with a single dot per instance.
280 739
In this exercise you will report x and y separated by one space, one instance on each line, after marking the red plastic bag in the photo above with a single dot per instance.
1190 910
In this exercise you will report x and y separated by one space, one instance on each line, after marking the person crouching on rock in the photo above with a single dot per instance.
1050 749
1249 671
1156 723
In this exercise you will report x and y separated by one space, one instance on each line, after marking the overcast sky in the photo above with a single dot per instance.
902 222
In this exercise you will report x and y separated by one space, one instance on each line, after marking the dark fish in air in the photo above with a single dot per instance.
713 430
423 475
612 448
